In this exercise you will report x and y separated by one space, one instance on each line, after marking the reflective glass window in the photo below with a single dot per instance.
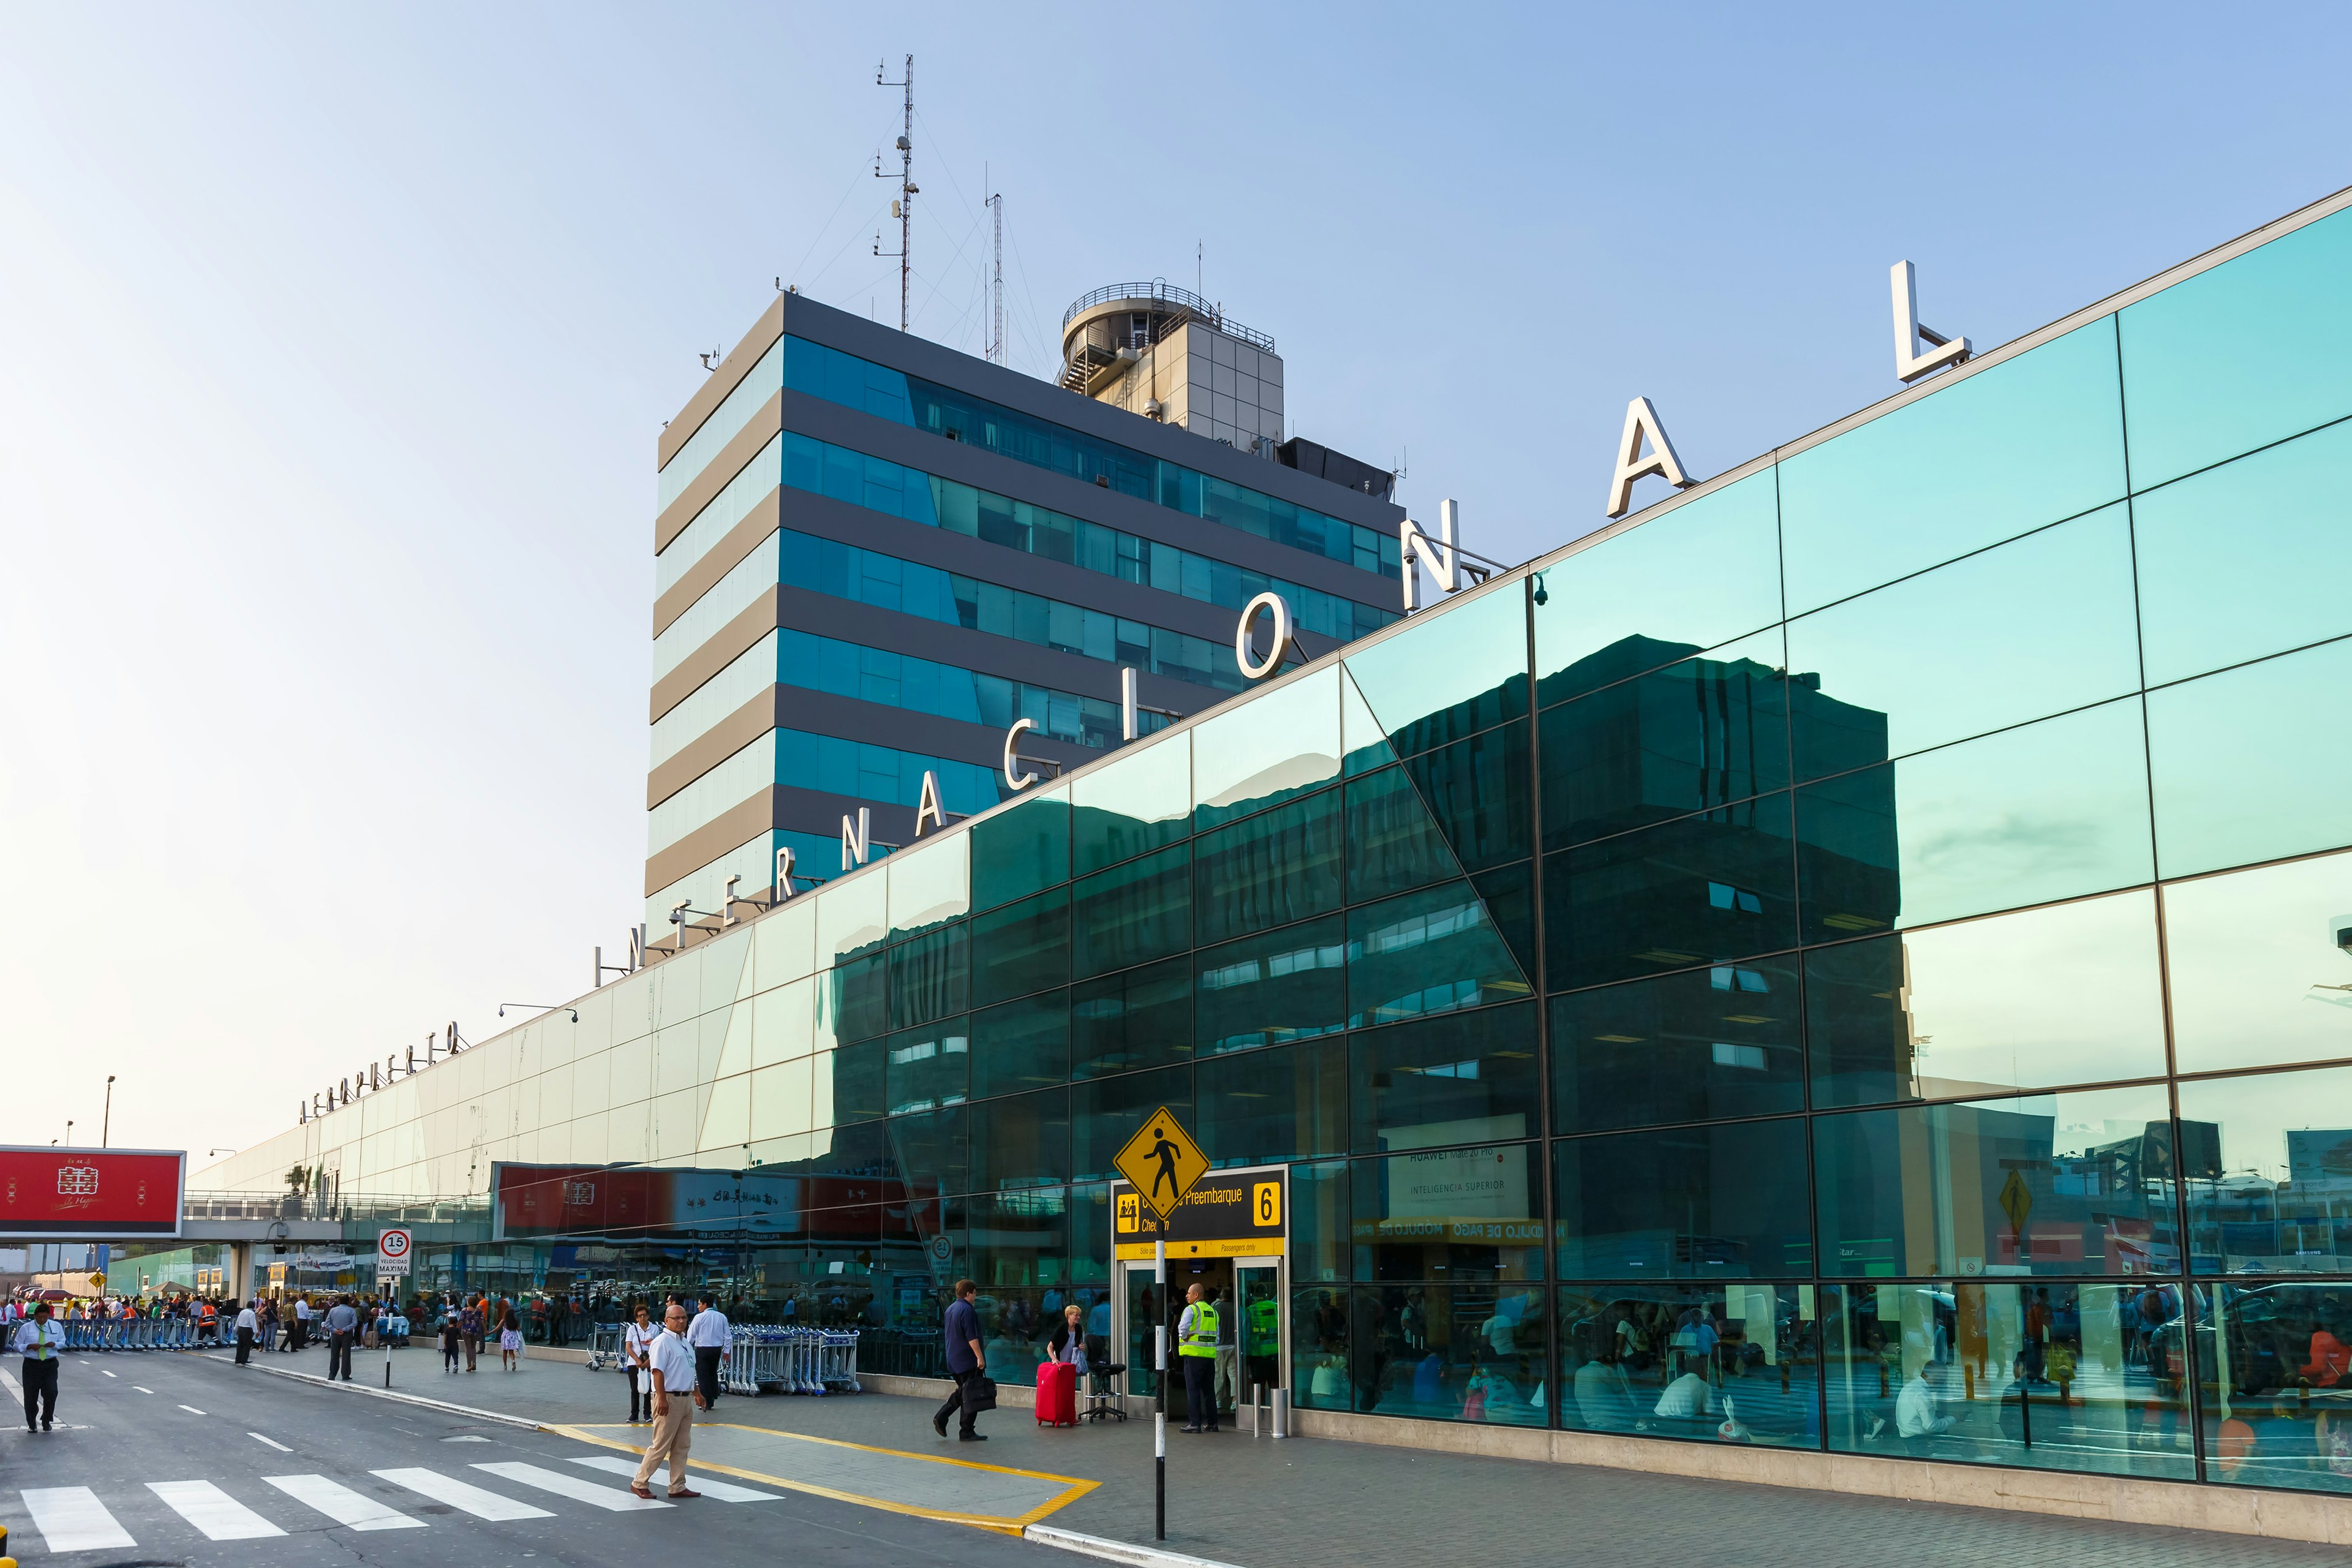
851 916
1686 737
2247 558
930 976
933 1150
1455 1213
1022 1044
859 1091
1709 1363
1021 850
1288 1103
1977 460
1364 742
929 1067
2035 626
2267 1168
1448 673
1509 895
1285 985
2044 1376
2275 1388
1021 1141
783 945
1142 1018
1019 948
1453 1352
1477 790
1393 843
1140 802
858 998
1722 1201
2050 810
1436 950
1691 578
930 884
1695 1047
1708 888
1470 1079
727 1119
2051 1184
1322 1227
1277 867
1105 1112
1319 1348
2242 354
2066 994
2261 965
1266 749
2245 768
781 1101
1134 912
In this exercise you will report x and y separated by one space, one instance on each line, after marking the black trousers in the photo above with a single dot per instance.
641 1393
41 1388
705 1374
955 1401
339 1357
1199 1391
243 1346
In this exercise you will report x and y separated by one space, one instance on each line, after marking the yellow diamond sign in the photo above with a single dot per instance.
2017 1202
1163 1162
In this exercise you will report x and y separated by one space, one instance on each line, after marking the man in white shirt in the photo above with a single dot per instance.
248 1323
673 1376
40 1341
1915 1408
709 1335
1686 1398
301 1334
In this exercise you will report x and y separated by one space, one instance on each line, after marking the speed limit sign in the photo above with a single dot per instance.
392 1250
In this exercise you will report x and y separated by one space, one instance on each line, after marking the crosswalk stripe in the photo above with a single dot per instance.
220 1516
615 1499
71 1519
464 1495
724 1491
341 1504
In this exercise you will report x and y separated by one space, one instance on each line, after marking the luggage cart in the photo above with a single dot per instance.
604 1347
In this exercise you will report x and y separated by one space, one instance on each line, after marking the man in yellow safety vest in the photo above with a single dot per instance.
1196 1347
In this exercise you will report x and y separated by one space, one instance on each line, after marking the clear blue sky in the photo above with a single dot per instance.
334 340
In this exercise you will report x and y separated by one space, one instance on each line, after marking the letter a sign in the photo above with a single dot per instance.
1163 1162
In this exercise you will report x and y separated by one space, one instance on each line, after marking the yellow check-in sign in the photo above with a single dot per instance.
1162 1160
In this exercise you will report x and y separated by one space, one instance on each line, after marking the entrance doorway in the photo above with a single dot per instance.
1253 1328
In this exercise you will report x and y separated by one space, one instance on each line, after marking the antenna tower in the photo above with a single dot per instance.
996 286
905 205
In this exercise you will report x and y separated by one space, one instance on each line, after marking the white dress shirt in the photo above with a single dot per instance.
709 1332
674 1359
42 1341
248 1320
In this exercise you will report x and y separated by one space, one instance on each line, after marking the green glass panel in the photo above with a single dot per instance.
1977 460
930 976
1139 802
1704 888
2035 626
1478 792
2247 762
1470 1077
1021 1044
1286 1103
1392 841
1321 1236
1019 948
1719 1201
858 995
1364 742
2248 559
1475 1352
1706 1044
2245 353
2050 810
1456 1214
1021 850
2250 1369
1271 869
933 1150
1132 913
1020 1239
1262 752
1452 670
1022 1141
1691 578
2264 1161
2065 995
1435 951
1105 1114
1509 895
784 944
859 1089
1142 1018
1281 986
2256 960
931 883
929 1067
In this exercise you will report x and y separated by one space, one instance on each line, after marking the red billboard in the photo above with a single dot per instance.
90 1195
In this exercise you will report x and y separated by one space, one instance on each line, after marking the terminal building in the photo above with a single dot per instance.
1850 961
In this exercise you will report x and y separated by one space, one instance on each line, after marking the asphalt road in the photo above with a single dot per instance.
175 1461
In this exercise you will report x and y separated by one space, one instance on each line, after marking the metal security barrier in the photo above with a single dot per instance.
604 1346
792 1361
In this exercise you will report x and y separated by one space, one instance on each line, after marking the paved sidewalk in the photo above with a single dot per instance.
1264 1504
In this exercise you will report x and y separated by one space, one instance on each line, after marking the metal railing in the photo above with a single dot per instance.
1162 292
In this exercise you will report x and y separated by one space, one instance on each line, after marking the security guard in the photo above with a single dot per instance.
40 1343
1196 1346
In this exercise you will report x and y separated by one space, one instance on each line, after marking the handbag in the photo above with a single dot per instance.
980 1395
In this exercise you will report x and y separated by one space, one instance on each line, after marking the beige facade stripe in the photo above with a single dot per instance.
712 747
722 380
721 558
756 621
737 825
740 449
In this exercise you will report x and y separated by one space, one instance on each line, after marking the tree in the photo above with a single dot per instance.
296 1179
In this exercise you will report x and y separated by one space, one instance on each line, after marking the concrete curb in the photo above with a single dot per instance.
392 1393
1115 1550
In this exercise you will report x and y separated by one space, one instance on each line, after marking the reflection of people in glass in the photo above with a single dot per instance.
1916 1408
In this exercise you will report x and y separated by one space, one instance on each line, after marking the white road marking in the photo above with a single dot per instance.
15 1390
220 1516
143 1390
191 1410
103 1372
722 1490
468 1439
341 1504
463 1495
71 1519
271 1441
614 1499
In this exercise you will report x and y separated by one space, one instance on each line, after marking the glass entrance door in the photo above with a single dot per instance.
1140 1298
1258 1312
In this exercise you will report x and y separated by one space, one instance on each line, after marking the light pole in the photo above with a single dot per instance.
106 1122
69 1131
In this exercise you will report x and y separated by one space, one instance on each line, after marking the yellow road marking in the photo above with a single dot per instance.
1073 1488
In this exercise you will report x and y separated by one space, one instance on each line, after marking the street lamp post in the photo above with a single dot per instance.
106 1124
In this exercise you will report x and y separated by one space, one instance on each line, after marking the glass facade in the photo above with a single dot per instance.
1860 961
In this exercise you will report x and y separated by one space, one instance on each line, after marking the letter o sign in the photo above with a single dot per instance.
1274 605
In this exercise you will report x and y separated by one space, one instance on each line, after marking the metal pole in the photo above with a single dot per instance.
107 1124
1160 1414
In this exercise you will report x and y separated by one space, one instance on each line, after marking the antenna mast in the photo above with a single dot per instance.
996 285
905 205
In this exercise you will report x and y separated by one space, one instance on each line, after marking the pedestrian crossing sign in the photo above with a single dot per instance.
1162 1160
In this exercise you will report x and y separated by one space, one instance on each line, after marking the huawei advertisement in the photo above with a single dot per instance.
90 1195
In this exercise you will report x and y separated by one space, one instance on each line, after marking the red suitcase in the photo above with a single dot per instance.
1057 1395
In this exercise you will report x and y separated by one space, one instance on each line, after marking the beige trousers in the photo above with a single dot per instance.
672 1435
